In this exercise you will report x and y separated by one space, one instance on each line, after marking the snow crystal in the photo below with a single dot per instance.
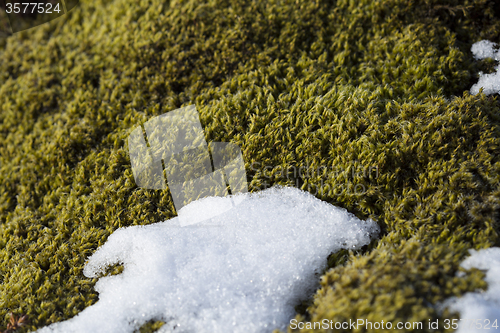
241 271
489 82
484 49
483 307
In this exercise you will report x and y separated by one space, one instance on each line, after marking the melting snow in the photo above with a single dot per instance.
489 82
241 271
483 306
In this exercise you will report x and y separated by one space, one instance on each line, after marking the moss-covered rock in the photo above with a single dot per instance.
368 96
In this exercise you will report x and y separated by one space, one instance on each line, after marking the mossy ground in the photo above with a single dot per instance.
337 84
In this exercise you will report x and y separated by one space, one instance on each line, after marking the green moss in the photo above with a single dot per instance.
151 326
344 85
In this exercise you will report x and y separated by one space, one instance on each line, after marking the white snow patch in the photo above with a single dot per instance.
484 49
242 271
489 82
482 306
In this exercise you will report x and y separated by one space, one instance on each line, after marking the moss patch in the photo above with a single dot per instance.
328 85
